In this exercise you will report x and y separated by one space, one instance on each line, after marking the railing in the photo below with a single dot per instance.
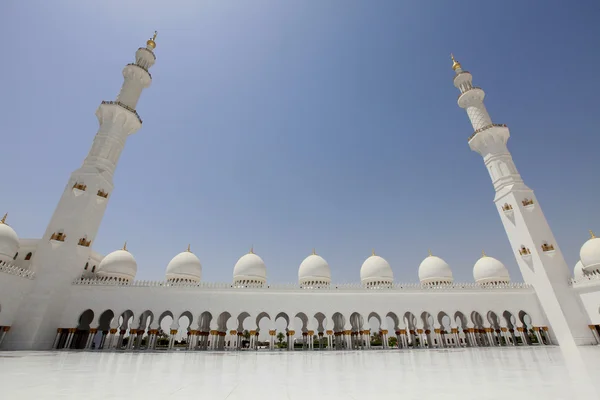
468 90
295 286
586 280
145 69
484 128
125 106
14 270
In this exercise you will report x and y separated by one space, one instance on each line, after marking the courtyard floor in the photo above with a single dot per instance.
481 373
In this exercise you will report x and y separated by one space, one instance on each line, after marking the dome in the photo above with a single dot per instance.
376 271
434 271
590 254
578 270
250 269
489 271
314 270
9 241
184 267
119 264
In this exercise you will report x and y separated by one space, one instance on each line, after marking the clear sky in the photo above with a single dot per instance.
289 125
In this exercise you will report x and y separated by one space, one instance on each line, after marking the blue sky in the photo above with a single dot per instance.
289 125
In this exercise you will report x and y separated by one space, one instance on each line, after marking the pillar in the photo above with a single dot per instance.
59 333
3 333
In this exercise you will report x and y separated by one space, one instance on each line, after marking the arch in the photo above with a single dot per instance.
28 256
356 321
444 320
427 320
222 320
260 316
15 257
105 319
85 319
493 319
373 314
338 321
94 268
395 320
477 319
204 321
285 317
321 322
189 316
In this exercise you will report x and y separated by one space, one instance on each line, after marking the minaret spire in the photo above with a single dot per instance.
538 255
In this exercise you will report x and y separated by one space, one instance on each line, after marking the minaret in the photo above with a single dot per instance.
538 255
65 247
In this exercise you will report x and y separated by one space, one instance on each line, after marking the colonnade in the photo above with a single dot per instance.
113 339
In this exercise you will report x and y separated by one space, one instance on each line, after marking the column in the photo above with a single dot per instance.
90 338
57 338
595 332
172 334
536 331
3 333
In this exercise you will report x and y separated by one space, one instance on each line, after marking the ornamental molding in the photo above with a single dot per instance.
291 287
17 271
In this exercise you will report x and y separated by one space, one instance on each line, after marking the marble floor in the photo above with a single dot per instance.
485 373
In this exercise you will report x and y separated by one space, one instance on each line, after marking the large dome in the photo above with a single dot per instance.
314 271
590 254
9 241
250 270
184 267
119 265
435 271
578 270
489 271
376 271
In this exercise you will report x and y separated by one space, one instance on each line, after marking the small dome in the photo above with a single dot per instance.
434 271
376 271
489 271
314 270
578 270
250 269
184 267
590 254
9 241
119 264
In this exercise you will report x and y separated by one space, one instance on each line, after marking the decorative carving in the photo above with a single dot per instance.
547 247
83 242
102 193
79 186
524 251
58 236
507 207
527 202
125 106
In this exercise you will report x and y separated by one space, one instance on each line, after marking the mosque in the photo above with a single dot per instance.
57 293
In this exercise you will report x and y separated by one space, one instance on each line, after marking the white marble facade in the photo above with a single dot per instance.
56 292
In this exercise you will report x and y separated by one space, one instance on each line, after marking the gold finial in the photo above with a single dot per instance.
483 253
251 250
455 64
188 249
3 221
151 42
314 253
591 232
430 254
372 252
125 246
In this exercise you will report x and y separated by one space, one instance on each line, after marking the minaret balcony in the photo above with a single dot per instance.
102 196
548 248
79 188
125 106
525 253
84 242
485 128
57 239
528 204
508 210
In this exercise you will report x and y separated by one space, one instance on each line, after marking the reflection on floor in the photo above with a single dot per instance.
482 373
